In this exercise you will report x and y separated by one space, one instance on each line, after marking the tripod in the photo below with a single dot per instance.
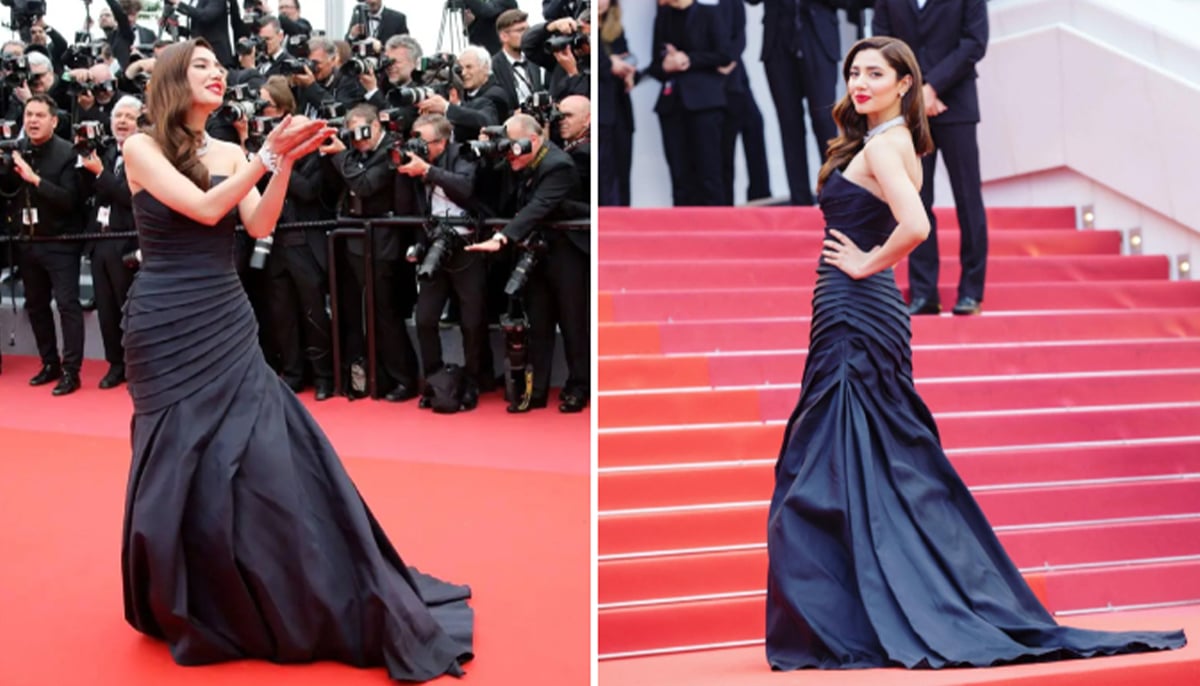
453 30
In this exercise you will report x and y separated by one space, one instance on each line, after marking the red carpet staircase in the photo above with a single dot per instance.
1071 407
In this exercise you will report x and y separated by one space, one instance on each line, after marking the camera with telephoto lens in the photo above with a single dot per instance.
262 250
532 248
8 143
16 69
441 243
403 152
409 95
247 45
89 137
542 107
575 42
239 105
76 88
495 148
364 59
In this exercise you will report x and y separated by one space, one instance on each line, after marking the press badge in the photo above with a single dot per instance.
29 216
102 215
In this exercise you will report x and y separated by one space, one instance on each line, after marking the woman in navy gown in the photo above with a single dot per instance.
244 536
879 556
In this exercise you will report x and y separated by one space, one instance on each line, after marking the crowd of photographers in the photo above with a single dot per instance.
496 127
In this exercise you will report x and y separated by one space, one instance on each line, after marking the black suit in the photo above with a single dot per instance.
391 23
801 51
558 83
50 269
210 21
479 109
505 78
340 86
556 295
742 116
110 276
691 104
615 119
948 37
125 36
482 31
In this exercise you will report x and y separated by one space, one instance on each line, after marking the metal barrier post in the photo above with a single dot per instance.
369 290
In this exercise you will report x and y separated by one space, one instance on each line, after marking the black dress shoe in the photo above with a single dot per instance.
115 377
49 373
571 403
924 306
69 383
967 306
533 404
400 393
324 389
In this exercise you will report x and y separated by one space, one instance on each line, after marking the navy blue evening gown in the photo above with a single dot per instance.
244 537
879 555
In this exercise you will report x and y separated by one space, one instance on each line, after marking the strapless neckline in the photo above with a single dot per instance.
858 186
213 178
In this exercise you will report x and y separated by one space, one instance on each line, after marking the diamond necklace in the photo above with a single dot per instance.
203 147
894 121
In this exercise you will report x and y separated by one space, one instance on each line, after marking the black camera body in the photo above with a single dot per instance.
496 148
25 12
83 54
248 45
532 248
403 152
297 46
240 105
575 42
441 243
361 15
333 112
364 59
542 107
395 120
8 143
257 130
89 136
16 69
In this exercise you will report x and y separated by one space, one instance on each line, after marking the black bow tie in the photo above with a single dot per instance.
520 63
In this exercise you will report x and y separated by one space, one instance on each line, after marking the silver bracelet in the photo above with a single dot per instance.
269 159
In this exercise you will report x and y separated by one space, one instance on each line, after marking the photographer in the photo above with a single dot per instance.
446 182
370 19
575 127
400 60
96 95
273 55
125 32
41 82
42 185
327 80
210 21
519 77
477 104
113 261
563 48
556 294
369 179
43 38
289 17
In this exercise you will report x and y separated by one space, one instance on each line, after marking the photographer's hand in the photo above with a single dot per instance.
566 60
93 163
22 92
26 172
332 147
493 244
369 83
564 26
434 104
414 167
304 80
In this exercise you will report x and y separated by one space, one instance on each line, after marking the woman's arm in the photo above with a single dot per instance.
260 213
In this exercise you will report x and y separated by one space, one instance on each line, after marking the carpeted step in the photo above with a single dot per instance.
648 274
771 218
791 333
707 622
1034 551
929 361
706 245
757 441
763 303
960 394
734 482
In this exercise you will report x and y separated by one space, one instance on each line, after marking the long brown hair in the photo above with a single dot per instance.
852 126
168 103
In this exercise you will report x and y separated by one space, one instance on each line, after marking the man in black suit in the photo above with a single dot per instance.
381 23
113 212
691 46
556 295
478 104
126 33
742 116
567 72
518 76
327 81
210 21
43 190
369 180
948 37
273 50
575 130
289 17
481 18
801 51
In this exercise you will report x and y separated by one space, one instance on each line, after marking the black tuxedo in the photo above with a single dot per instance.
505 77
50 269
110 276
615 119
742 116
210 21
691 104
391 23
801 51
482 31
479 109
948 38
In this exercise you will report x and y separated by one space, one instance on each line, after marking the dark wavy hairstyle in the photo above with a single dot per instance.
852 126
168 102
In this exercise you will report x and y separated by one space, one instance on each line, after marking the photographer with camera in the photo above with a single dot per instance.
273 58
370 19
289 17
446 182
401 54
563 48
96 94
479 101
42 186
575 129
113 261
369 180
519 77
125 32
41 81
557 292
328 79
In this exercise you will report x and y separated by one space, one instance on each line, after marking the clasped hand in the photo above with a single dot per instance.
294 137
844 254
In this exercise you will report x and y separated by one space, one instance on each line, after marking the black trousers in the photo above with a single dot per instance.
691 141
743 118
296 295
49 271
255 282
111 280
616 163
465 274
959 149
557 298
793 82
395 296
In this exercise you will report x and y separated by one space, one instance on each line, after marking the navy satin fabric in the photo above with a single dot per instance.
244 536
879 555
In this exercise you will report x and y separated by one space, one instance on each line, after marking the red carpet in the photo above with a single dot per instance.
488 506
1071 407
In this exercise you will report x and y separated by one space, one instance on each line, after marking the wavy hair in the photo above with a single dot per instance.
168 102
852 126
